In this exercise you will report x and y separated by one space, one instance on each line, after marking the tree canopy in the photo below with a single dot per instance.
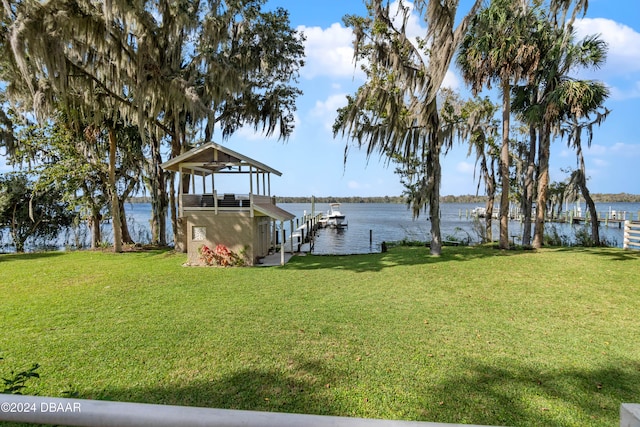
178 71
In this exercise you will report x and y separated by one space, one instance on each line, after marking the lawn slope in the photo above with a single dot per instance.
474 336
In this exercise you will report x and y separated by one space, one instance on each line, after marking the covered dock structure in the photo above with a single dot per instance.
245 223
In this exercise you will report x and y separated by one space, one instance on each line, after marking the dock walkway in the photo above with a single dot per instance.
303 236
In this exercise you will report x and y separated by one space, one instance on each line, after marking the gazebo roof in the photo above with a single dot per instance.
213 158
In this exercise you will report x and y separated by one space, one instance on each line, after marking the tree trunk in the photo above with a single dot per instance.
435 172
543 187
488 219
132 184
94 226
156 184
595 226
582 182
157 189
490 182
434 203
504 167
17 237
529 187
18 241
126 236
178 146
173 209
115 205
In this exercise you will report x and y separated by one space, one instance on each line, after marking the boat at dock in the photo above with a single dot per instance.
334 217
479 212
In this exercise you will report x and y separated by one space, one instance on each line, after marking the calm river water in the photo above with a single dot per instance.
390 222
382 221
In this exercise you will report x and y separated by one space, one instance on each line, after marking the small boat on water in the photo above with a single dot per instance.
479 212
334 217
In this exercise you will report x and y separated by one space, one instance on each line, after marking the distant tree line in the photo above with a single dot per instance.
616 198
466 198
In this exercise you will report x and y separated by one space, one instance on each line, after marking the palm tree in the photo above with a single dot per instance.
481 132
563 99
588 98
396 110
499 47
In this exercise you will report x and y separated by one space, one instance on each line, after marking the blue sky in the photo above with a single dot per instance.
311 160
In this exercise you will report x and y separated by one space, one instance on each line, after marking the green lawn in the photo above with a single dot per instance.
546 338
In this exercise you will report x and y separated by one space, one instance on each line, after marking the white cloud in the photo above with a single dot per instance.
616 150
624 43
249 133
596 150
600 163
565 153
332 103
451 81
325 111
628 150
354 185
329 52
465 167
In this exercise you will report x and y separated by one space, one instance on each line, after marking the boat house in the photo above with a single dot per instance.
245 223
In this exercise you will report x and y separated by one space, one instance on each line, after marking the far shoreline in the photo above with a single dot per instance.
468 198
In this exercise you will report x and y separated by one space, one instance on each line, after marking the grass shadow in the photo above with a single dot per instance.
397 256
614 254
530 396
302 387
28 256
484 394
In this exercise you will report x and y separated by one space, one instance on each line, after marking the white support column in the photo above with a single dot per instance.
264 187
282 243
180 204
269 181
291 238
274 234
250 179
258 183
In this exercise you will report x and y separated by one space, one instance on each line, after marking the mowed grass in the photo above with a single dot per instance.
517 338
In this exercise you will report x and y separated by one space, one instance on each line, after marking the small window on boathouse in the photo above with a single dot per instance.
198 233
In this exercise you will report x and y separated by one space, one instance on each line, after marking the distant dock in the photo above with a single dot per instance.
575 216
607 218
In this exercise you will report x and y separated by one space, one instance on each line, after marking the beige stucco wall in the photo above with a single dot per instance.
236 230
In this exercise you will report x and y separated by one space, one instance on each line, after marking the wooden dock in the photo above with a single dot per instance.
302 239
601 221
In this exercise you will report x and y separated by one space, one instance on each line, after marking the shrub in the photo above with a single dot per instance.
221 256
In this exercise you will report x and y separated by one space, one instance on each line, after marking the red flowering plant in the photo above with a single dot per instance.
221 255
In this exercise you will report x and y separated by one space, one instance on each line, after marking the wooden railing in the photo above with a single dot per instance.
631 235
215 201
